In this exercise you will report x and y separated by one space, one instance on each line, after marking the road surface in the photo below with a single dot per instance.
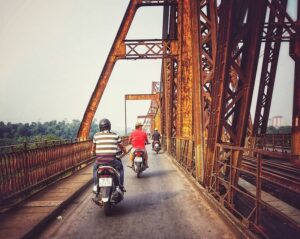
160 204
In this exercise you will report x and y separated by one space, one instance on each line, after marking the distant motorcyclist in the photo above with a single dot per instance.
138 138
155 137
106 146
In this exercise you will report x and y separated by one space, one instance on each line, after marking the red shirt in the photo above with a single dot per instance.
138 138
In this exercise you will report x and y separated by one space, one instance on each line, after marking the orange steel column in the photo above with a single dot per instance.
168 74
116 50
197 92
188 122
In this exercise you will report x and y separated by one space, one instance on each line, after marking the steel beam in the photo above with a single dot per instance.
147 49
169 77
188 112
268 73
208 45
142 97
151 116
238 54
198 122
157 2
295 53
107 69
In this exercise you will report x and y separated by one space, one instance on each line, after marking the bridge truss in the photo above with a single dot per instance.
210 53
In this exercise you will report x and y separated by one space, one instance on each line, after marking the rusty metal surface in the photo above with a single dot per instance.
32 215
116 49
209 64
142 97
295 53
123 48
147 49
25 169
268 73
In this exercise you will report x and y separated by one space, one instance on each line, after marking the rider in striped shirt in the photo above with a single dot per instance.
107 145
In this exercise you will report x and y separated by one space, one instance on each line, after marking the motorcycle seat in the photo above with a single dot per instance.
104 160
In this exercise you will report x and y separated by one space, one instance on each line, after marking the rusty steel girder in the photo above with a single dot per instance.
150 49
154 97
239 54
146 49
268 73
106 71
169 78
295 54
151 116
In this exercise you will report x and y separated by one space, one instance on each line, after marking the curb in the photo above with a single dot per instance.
34 232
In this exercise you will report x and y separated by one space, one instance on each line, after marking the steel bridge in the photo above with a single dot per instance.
201 104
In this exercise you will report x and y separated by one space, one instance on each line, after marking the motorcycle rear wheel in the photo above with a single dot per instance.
138 170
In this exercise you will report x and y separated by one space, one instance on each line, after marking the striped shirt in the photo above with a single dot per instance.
106 143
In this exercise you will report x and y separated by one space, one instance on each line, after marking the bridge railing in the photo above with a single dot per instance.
24 168
241 198
224 190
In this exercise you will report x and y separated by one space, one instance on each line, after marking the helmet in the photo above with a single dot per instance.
155 129
138 124
104 125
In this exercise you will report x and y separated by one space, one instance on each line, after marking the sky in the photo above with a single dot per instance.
52 53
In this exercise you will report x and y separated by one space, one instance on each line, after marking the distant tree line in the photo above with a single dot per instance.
280 130
12 133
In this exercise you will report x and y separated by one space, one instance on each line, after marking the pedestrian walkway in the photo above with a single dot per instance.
30 216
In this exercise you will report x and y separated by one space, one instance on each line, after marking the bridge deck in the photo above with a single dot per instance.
32 215
161 204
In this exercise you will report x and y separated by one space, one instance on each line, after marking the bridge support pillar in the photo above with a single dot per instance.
188 104
295 54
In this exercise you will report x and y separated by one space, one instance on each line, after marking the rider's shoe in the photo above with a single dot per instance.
122 188
95 189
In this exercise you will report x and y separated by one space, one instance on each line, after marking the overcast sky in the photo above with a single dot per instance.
52 53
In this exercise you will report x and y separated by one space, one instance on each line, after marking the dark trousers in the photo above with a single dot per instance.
117 164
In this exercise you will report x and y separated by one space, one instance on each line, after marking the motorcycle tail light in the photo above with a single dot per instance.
102 170
138 154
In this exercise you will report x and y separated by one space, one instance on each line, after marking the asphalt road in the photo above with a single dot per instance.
160 204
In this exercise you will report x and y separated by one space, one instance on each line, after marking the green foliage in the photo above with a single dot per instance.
280 130
36 131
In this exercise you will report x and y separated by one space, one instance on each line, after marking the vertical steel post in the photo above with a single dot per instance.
188 76
197 104
237 54
125 117
295 52
258 188
268 72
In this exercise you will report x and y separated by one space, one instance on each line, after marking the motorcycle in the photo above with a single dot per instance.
157 146
108 190
139 164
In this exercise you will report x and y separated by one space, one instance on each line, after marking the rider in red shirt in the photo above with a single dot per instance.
138 138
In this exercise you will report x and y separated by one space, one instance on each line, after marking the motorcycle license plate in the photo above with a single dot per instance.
138 159
105 182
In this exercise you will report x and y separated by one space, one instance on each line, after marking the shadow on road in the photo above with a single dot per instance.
142 202
148 173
